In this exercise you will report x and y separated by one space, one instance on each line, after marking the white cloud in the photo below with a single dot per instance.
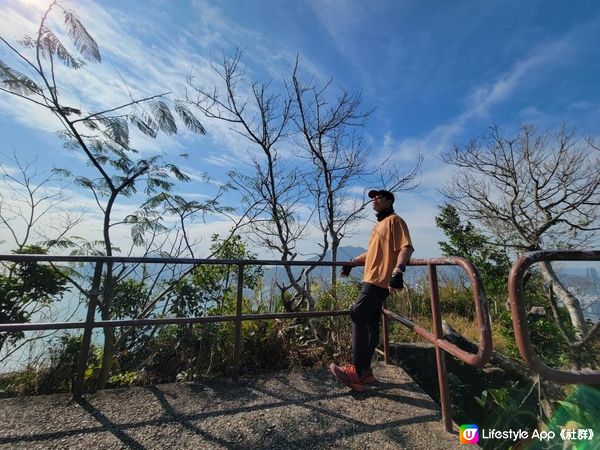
28 114
484 97
421 205
478 104
130 66
130 62
340 19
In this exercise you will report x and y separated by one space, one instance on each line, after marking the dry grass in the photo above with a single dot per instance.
468 328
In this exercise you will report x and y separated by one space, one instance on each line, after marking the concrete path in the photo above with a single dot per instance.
300 410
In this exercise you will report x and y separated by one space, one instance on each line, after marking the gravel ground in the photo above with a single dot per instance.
298 410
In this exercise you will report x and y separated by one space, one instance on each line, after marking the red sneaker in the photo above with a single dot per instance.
368 378
347 375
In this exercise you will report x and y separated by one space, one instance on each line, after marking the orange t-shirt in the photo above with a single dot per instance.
387 239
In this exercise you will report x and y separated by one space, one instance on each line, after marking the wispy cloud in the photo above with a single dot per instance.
480 102
133 68
130 69
484 98
340 19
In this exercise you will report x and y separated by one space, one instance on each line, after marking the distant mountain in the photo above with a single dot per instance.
278 274
413 274
586 280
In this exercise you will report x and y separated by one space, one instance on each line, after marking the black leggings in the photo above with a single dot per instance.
365 314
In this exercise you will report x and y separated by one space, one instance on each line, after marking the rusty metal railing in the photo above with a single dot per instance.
516 290
437 337
441 345
516 295
91 323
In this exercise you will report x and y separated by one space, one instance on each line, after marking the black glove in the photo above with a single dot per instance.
397 280
346 270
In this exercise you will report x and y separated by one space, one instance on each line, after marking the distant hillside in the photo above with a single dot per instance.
345 254
585 279
319 273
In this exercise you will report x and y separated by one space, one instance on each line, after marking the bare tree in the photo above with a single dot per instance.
26 207
271 196
531 192
329 135
317 129
28 198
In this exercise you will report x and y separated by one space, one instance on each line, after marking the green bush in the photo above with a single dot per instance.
64 357
546 339
457 300
24 382
579 411
337 331
59 372
124 379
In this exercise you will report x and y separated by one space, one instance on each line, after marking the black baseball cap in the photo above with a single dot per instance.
383 193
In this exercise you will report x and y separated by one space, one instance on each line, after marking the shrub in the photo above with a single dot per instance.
24 382
59 372
124 379
64 357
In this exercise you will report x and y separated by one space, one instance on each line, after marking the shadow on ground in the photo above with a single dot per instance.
283 410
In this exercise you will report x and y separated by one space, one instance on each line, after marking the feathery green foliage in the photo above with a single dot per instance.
25 288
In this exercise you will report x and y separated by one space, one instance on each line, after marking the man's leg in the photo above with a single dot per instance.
360 345
373 332
351 375
359 313
367 305
373 325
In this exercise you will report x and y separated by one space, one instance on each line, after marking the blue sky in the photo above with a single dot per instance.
435 73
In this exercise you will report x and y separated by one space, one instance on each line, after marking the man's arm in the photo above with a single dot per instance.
403 257
360 258
397 281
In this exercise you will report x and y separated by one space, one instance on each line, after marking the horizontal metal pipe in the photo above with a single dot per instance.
480 304
157 260
447 261
451 348
166 321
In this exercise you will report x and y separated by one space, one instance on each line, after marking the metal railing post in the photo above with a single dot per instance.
238 323
87 332
440 357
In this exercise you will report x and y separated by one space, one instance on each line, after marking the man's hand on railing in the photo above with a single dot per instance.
396 282
346 270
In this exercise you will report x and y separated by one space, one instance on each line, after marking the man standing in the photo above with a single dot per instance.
385 261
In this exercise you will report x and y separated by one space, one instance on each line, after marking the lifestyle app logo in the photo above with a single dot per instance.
469 434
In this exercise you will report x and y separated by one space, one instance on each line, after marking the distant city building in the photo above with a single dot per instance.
592 276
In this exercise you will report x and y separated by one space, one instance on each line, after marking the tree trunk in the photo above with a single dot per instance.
497 359
107 356
569 300
334 269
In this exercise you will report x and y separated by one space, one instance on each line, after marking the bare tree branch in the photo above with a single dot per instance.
531 192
